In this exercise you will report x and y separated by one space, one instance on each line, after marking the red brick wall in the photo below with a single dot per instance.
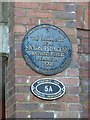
83 14
20 102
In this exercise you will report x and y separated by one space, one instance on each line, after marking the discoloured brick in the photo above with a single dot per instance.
55 107
27 106
64 15
70 7
68 115
42 115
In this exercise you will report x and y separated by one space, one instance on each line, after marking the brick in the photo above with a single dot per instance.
85 89
20 12
31 13
69 81
73 90
70 31
27 106
22 20
68 115
73 72
86 105
85 115
42 115
46 21
19 37
84 49
21 80
55 107
83 34
80 16
26 5
25 71
22 89
20 62
69 99
43 14
84 64
74 55
60 23
75 107
73 39
70 7
84 97
21 114
71 24
84 73
64 15
19 29
86 18
18 54
20 97
51 6
85 42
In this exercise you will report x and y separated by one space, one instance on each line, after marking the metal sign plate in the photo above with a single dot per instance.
48 89
47 49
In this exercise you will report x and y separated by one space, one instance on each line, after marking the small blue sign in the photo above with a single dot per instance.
47 88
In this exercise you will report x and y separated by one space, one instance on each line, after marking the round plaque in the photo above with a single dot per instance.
47 49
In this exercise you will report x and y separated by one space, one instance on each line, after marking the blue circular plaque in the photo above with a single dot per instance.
47 49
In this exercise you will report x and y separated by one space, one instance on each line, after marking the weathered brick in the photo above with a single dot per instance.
43 14
55 107
84 73
83 34
70 7
64 15
71 24
19 29
18 54
73 90
68 115
20 12
42 115
26 5
73 72
31 13
79 16
22 80
70 31
69 81
22 20
22 89
19 62
27 106
69 99
21 97
51 6
19 37
21 114
75 107
25 71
